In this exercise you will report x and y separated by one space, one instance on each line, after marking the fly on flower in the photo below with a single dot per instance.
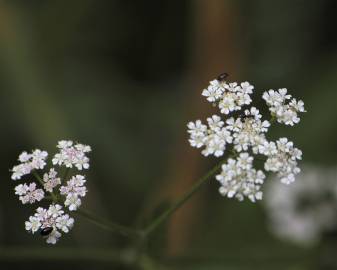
222 77
243 133
49 185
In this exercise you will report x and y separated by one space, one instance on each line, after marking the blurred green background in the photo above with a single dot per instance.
125 77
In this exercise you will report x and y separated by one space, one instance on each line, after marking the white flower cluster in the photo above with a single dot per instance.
230 96
73 191
72 155
29 162
67 190
50 222
282 159
283 106
239 179
29 193
307 210
243 133
51 180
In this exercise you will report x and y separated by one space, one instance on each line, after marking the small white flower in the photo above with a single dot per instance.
25 157
72 155
283 160
21 170
214 138
75 186
198 133
248 131
247 88
38 159
83 148
33 224
196 128
21 189
81 162
227 103
215 145
285 112
53 237
41 213
55 210
52 218
215 123
239 179
230 97
64 144
73 202
64 223
213 91
51 181
35 160
244 161
268 148
29 193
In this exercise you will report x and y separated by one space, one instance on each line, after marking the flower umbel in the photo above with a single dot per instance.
53 221
242 132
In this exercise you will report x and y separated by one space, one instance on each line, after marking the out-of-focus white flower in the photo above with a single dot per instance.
239 179
285 112
29 193
307 209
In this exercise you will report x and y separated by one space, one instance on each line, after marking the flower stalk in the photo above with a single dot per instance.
109 225
166 214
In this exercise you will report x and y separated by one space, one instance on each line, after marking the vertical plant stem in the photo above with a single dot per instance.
165 215
66 174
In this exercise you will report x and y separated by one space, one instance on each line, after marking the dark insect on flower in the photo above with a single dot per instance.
222 77
46 231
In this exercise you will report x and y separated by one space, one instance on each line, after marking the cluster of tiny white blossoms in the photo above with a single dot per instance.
242 132
68 190
283 106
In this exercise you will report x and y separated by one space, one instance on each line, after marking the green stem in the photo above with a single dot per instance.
165 215
37 176
66 174
110 226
